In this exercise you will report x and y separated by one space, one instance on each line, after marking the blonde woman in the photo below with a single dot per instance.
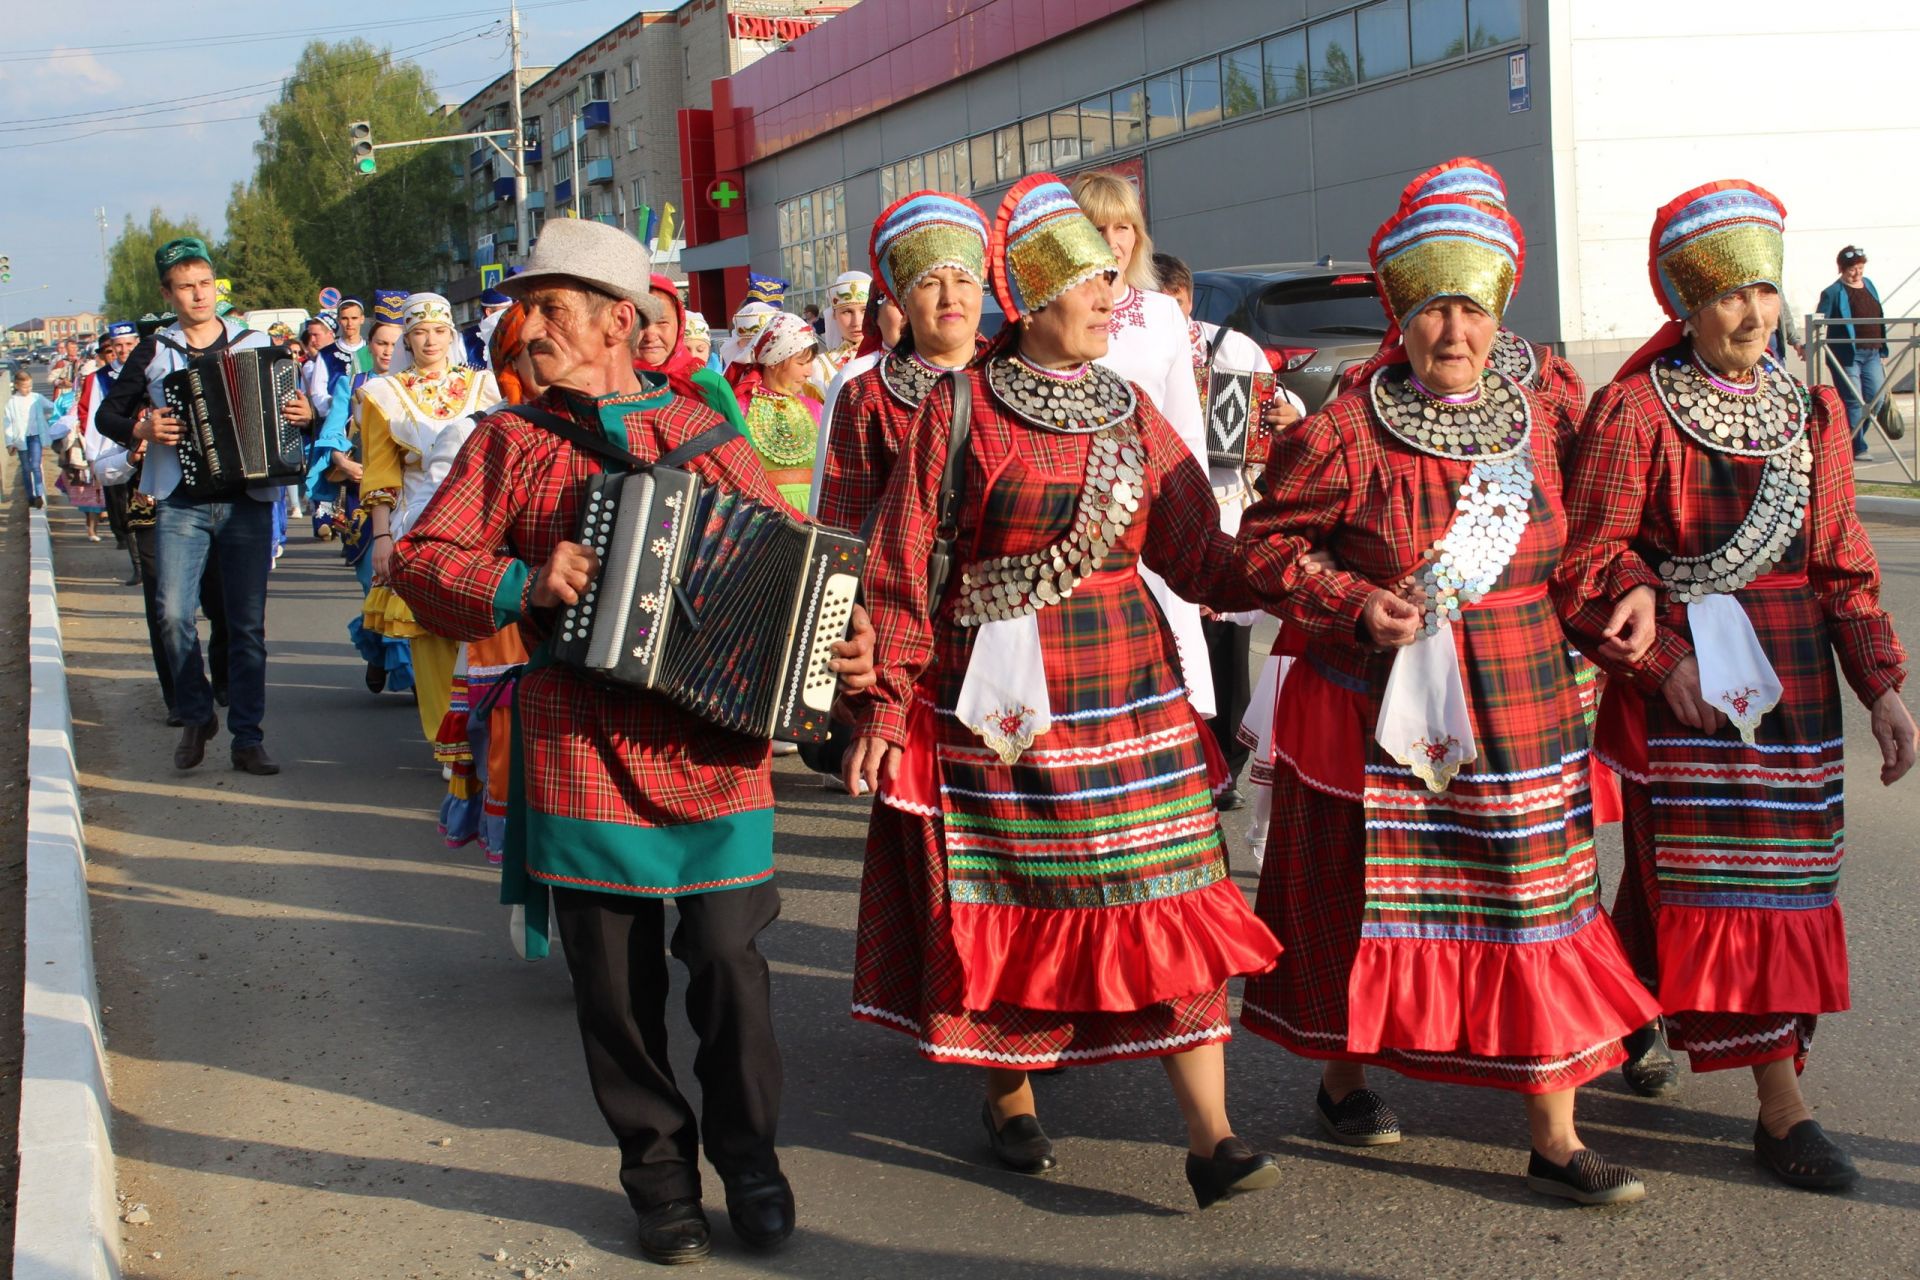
1148 345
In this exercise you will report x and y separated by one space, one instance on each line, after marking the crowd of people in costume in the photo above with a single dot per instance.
1508 612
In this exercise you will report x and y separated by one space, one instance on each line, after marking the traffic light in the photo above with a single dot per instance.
6 269
361 132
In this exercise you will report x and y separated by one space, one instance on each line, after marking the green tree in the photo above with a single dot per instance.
260 257
393 230
133 286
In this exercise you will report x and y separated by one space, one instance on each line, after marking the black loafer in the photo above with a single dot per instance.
760 1207
1233 1168
1805 1158
220 695
1649 1069
1229 800
675 1232
192 747
1588 1178
1361 1119
376 678
254 760
1020 1144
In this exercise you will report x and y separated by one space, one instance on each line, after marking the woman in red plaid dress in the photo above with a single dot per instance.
1430 868
1714 566
1046 881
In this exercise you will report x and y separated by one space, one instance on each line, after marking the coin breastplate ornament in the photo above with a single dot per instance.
1111 493
1513 357
1770 422
1495 423
1088 399
1494 508
908 378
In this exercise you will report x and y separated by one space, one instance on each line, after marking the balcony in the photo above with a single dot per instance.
509 234
533 154
562 141
611 219
482 199
563 193
536 199
478 159
600 169
503 188
596 115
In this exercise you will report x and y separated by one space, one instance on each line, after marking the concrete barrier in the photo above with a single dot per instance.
65 1224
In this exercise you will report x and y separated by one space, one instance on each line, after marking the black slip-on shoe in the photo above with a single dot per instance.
1361 1119
675 1232
1233 1168
1020 1144
1805 1158
1588 1178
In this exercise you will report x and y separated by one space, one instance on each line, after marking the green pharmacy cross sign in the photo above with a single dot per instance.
723 194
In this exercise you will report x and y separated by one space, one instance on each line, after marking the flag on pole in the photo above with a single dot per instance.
644 221
664 245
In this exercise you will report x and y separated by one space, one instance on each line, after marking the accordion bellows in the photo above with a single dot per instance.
234 434
727 607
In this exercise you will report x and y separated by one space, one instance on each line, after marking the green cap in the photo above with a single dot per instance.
222 307
175 252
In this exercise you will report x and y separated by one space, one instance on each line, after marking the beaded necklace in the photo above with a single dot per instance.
783 431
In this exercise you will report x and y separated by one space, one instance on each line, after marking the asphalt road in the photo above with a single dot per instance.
328 1063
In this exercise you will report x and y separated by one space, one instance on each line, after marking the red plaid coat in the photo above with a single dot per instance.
869 428
1640 491
513 494
1182 540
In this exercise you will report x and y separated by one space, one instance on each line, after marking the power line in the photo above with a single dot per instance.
219 97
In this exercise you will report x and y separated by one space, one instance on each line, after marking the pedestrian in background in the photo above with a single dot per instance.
29 429
1859 346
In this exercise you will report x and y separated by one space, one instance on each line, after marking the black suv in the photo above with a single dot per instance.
1314 320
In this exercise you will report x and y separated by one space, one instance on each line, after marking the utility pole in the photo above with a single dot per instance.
105 265
520 220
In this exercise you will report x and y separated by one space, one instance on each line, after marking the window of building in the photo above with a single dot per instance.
962 168
597 86
1439 30
1163 105
1200 93
813 244
1006 154
633 137
1096 126
1330 53
1130 116
639 193
1240 81
1382 39
1285 72
1492 22
980 162
1036 145
917 173
941 170
1064 125
633 74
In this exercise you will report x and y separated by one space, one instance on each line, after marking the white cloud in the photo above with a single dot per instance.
76 69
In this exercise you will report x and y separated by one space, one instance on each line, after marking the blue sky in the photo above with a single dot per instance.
71 85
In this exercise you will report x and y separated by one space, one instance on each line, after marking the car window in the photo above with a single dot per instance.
1204 304
1318 312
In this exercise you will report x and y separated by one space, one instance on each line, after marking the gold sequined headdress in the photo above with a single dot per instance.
1043 246
924 232
1448 246
1706 243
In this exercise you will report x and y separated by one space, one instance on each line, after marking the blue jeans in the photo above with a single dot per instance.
30 474
1868 374
242 534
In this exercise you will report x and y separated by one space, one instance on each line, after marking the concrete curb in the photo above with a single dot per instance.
1884 508
65 1225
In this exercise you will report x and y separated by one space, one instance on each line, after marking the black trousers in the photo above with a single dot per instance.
1228 648
116 499
617 952
212 603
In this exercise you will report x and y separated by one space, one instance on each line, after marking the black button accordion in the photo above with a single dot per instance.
726 607
234 433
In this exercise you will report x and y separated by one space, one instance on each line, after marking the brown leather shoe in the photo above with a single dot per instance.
193 743
254 760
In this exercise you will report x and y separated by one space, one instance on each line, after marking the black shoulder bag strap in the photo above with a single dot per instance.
1219 340
953 489
580 438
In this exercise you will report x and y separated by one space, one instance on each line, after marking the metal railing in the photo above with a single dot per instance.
1896 401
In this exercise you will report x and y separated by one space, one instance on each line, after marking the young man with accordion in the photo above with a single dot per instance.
220 411
622 797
